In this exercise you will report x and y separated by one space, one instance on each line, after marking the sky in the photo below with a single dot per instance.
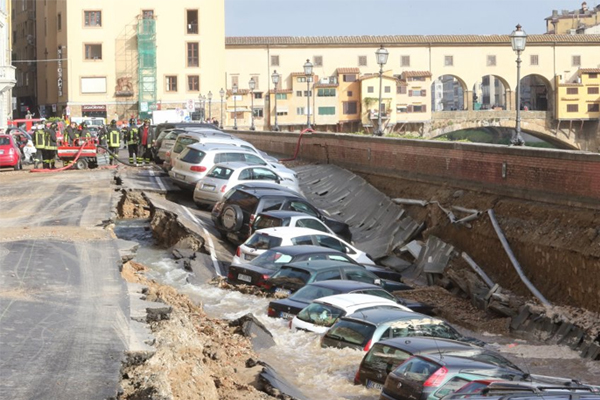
389 17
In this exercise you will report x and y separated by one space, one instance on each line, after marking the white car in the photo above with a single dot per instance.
196 160
322 313
265 239
222 177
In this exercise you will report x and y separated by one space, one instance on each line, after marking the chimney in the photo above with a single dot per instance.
554 13
584 7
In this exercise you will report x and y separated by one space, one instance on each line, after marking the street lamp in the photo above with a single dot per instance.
382 56
275 80
222 93
204 108
209 105
518 38
234 91
200 106
252 86
308 69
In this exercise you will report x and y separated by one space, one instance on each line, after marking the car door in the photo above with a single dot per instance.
301 206
359 275
327 275
252 159
263 174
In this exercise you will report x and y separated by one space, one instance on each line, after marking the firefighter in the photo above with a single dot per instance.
40 144
114 140
84 133
145 144
131 138
51 146
71 134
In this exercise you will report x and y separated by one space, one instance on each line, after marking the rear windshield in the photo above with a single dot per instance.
243 199
385 358
451 386
172 135
261 241
352 332
266 221
320 314
417 369
425 327
182 143
293 273
271 259
4 140
379 293
309 293
220 173
192 156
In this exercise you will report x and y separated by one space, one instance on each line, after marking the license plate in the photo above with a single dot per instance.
179 176
374 385
245 278
209 188
286 315
283 291
249 257
1 151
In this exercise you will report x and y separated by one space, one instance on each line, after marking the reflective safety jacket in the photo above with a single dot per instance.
131 136
114 137
50 139
40 139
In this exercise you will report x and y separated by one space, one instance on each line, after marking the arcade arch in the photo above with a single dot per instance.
448 93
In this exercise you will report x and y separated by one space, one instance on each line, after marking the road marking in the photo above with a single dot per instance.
211 245
158 180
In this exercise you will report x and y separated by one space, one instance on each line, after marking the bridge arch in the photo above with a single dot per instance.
449 93
492 92
537 93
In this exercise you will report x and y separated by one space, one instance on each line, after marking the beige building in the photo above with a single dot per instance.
23 57
573 22
7 71
117 59
579 99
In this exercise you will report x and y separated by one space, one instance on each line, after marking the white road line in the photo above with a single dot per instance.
211 245
158 180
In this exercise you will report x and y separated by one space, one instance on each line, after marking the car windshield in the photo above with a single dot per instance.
380 293
182 143
172 135
320 314
261 241
310 292
353 332
424 327
385 358
220 173
271 259
267 221
192 156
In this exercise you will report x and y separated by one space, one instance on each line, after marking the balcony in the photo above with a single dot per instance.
7 77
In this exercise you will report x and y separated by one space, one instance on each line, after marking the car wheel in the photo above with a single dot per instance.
81 164
232 218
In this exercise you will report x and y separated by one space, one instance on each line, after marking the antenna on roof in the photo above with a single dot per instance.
438 348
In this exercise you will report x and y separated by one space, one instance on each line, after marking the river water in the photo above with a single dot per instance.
328 373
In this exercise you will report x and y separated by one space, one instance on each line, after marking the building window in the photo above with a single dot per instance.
401 89
491 61
572 107
193 57
258 112
300 111
298 93
171 83
258 95
419 109
148 14
92 18
350 107
326 110
192 21
326 92
534 59
362 61
59 21
318 61
401 109
576 61
282 113
349 78
349 93
93 52
301 79
594 107
307 93
418 93
448 61
572 90
275 61
593 90
281 96
387 89
235 80
405 61
370 89
593 76
193 83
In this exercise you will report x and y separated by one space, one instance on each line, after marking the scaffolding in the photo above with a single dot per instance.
146 67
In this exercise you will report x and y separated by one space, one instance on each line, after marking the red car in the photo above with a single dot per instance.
10 155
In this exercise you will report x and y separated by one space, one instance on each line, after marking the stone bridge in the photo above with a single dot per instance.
581 135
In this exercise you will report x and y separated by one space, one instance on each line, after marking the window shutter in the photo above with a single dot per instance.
410 93
424 108
409 108
424 92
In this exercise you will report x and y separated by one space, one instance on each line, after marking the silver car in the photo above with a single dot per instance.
196 160
222 177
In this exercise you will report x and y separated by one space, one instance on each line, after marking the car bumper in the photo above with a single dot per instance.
7 160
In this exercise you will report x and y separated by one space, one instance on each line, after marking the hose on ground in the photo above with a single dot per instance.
309 130
47 170
117 158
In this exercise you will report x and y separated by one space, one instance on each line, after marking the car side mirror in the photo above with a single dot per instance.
378 282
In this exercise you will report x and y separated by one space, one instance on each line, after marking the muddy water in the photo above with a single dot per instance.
328 373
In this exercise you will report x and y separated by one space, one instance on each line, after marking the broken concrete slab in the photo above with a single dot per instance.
202 269
277 386
249 326
413 248
127 249
395 263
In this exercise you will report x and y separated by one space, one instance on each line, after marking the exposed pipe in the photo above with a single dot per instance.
477 270
298 144
514 261
411 202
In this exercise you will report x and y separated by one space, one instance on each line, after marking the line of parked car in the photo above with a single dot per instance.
329 286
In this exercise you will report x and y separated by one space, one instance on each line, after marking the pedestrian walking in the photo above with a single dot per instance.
114 141
145 144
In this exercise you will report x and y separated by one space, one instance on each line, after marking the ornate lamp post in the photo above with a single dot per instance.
222 93
275 80
252 86
518 38
308 70
382 56
200 106
209 105
204 108
234 90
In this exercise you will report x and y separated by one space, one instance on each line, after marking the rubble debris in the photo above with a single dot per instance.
249 326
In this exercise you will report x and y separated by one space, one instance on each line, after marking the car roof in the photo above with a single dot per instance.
379 317
459 363
346 300
311 249
344 284
284 214
235 165
267 189
290 232
317 265
416 344
218 146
